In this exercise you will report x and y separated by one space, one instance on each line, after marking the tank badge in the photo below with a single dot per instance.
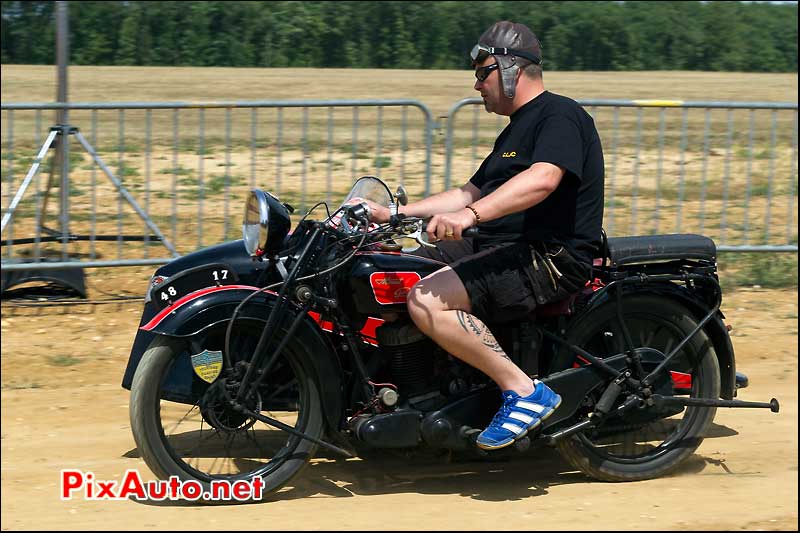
207 365
392 287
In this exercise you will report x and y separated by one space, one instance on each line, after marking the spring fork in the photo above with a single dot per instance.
274 320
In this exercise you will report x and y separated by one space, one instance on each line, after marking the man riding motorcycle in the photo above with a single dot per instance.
538 202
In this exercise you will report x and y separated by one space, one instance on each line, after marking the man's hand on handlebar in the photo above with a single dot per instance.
450 226
377 213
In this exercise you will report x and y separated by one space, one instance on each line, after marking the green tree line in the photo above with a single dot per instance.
587 35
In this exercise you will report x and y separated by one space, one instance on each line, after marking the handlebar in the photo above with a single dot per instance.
397 220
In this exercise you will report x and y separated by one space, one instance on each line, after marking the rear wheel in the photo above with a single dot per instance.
196 435
647 443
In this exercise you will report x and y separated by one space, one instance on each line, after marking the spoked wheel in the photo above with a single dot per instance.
645 443
187 428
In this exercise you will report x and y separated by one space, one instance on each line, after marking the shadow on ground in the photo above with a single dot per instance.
502 476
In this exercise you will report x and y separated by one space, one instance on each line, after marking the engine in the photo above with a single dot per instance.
423 372
418 381
408 352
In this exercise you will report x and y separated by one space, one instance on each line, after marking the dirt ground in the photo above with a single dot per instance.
63 407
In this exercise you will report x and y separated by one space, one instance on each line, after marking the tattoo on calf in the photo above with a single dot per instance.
475 326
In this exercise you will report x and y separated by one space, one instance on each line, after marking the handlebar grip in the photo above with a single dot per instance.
472 231
358 211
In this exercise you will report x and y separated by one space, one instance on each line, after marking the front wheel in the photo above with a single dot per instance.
197 436
649 443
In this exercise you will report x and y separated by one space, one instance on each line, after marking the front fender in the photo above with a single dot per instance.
212 306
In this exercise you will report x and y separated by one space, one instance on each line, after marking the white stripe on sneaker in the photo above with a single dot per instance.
527 419
530 406
513 428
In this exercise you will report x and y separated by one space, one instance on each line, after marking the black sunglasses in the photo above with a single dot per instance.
482 73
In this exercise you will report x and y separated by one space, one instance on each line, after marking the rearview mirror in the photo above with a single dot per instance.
401 195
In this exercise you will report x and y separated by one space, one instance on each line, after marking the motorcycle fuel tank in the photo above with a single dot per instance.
380 281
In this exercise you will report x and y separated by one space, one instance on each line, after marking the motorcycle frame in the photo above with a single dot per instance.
640 387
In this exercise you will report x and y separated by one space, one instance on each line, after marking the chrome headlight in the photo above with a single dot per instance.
255 228
266 223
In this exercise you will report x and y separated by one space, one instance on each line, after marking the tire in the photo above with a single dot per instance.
649 443
201 440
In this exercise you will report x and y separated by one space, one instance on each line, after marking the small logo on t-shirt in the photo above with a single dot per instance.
509 154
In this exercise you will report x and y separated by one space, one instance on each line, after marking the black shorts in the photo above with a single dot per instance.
508 281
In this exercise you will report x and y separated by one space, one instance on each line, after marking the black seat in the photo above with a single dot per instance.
654 248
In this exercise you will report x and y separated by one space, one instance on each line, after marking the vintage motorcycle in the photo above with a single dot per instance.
253 354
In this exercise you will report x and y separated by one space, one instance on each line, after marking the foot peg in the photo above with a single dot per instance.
523 444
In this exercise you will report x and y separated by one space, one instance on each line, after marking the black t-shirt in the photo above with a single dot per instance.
551 129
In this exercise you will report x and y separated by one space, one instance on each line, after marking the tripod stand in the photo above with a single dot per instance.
59 134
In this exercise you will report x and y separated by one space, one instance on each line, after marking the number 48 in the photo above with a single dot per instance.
171 291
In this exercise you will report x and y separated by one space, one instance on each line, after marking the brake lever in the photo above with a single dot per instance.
418 236
346 227
402 224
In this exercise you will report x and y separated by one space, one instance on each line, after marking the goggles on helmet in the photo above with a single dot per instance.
481 51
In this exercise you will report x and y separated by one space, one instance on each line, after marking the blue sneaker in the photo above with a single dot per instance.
518 416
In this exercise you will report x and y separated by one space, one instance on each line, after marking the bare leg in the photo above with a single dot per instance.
440 307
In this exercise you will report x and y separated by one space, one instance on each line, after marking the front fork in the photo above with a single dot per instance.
263 359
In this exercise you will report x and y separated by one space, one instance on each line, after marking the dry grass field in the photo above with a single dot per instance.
438 89
729 174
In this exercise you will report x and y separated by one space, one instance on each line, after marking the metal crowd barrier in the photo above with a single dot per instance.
677 166
725 169
162 156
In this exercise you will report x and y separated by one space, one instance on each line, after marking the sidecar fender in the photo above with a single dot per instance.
212 306
207 307
715 328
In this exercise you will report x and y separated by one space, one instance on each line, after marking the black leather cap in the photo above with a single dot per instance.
507 34
514 35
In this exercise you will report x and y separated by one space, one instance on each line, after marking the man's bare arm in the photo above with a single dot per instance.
443 202
524 190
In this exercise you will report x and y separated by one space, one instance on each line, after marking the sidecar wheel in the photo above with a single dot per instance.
649 443
195 439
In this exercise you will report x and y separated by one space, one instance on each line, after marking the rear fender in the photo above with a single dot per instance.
196 312
715 328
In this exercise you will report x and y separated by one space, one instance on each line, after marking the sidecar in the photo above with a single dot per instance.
223 264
